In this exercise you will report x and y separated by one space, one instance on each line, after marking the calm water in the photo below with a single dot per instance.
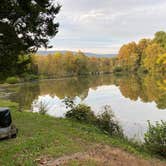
134 100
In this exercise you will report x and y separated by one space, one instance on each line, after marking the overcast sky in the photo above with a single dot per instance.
102 26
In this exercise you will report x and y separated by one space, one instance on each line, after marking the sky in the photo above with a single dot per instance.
103 26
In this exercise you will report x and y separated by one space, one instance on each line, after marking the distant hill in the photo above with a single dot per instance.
86 53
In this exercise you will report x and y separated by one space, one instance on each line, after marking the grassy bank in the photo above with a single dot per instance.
41 135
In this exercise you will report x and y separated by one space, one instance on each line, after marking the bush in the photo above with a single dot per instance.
69 102
106 121
12 80
155 138
82 113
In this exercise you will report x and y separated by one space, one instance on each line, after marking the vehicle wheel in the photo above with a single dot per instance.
14 136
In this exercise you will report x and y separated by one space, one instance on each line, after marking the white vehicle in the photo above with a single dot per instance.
7 129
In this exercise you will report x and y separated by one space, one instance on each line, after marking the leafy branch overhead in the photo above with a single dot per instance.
30 23
25 26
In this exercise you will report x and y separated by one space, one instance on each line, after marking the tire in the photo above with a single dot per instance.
14 136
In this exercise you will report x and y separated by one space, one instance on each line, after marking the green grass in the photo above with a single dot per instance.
41 135
12 80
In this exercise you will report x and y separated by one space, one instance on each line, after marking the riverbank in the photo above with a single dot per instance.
44 139
31 78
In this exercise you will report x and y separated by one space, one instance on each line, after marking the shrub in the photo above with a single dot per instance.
82 113
12 80
69 102
41 105
155 138
106 121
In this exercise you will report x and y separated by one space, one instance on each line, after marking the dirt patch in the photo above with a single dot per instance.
103 155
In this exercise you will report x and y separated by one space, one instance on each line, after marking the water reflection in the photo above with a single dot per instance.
134 99
147 88
133 115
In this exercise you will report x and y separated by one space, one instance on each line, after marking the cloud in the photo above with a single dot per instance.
92 14
92 24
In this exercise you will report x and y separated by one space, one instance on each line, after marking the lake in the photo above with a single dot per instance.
133 99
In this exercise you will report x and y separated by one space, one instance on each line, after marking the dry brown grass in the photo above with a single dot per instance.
102 155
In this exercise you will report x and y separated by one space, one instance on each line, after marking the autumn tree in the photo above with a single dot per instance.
93 65
81 63
144 56
160 38
128 56
141 46
152 53
161 62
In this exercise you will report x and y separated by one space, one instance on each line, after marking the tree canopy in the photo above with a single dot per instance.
147 54
24 27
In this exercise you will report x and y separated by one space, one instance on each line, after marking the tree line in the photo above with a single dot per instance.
146 56
71 64
26 26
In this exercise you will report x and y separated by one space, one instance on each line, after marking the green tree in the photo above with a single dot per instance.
24 27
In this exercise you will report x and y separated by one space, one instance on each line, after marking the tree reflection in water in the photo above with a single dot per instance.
148 88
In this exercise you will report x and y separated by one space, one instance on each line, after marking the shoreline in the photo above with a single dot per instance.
56 78
64 138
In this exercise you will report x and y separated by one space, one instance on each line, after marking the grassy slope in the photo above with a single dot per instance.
41 135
